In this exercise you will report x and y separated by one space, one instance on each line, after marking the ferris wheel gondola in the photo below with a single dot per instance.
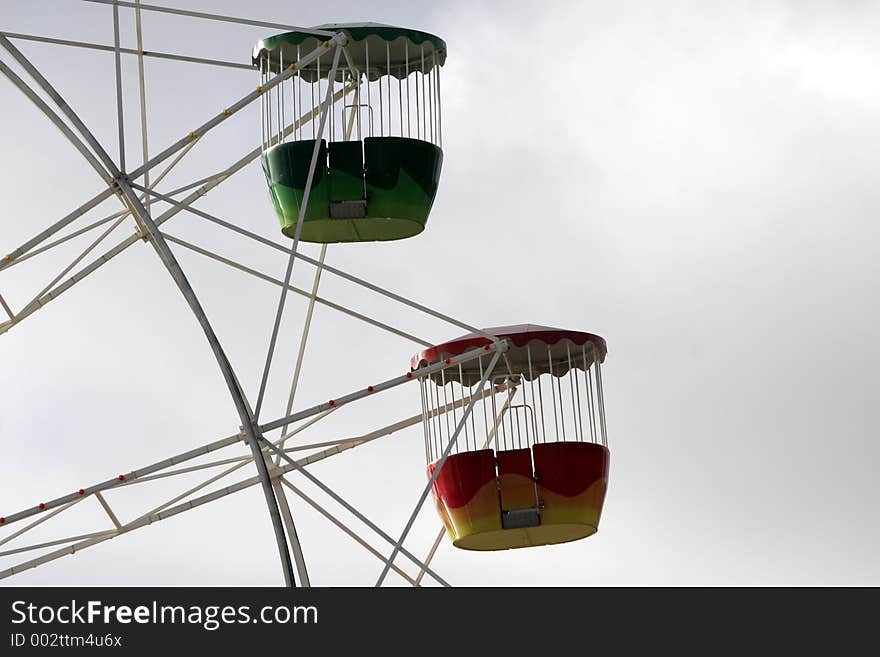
376 176
535 470
513 418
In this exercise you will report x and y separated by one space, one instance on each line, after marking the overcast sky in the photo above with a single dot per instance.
697 182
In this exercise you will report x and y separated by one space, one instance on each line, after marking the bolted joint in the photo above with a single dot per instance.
275 471
502 346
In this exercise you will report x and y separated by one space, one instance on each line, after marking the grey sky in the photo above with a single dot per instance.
696 182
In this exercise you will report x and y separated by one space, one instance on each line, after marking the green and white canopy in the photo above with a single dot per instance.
395 51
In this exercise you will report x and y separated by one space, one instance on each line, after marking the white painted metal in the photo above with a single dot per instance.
468 356
307 323
121 183
296 290
398 546
57 226
333 270
142 93
317 507
299 466
214 17
65 130
118 65
43 519
6 308
58 541
54 507
227 112
109 511
128 51
431 554
299 224
119 248
292 535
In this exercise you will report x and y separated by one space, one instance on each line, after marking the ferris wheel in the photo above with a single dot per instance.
351 144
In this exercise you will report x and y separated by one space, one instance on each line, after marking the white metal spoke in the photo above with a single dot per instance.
59 541
132 475
142 92
215 17
299 466
198 477
159 513
299 224
468 356
36 302
109 511
119 248
46 517
232 109
54 228
67 238
351 533
130 51
56 120
177 206
118 65
6 307
187 470
333 270
431 554
162 511
76 261
292 534
307 323
446 451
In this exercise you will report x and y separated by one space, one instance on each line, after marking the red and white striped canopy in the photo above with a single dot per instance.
534 350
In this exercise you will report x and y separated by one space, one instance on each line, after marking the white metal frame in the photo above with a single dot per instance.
137 201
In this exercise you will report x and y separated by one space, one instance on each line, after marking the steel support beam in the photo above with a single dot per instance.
129 51
427 489
129 196
214 17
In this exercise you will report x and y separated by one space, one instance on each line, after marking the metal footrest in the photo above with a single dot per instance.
348 209
517 518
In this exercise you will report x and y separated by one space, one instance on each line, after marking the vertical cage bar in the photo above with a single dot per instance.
388 66
485 410
262 139
601 399
575 403
369 95
587 391
424 97
299 93
408 107
553 392
451 387
540 404
424 418
593 406
441 437
445 400
280 93
461 382
318 82
439 110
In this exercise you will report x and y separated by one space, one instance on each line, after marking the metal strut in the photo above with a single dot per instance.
123 189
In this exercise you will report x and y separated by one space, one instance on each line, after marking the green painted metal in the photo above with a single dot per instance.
401 56
398 178
346 171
